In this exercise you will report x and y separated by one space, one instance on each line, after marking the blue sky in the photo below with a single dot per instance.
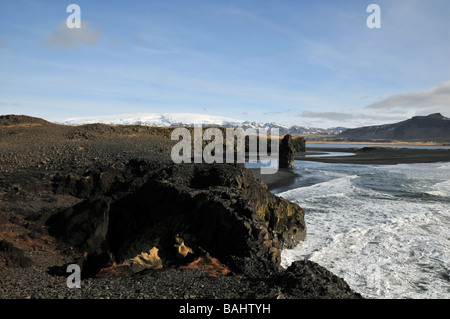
294 62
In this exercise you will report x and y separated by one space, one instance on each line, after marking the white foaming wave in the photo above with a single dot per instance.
333 187
384 245
428 178
401 251
338 187
440 189
422 171
333 174
392 259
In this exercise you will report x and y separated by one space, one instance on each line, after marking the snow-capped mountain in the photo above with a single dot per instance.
292 129
190 119
154 119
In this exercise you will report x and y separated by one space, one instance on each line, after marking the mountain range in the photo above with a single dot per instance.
431 128
434 128
190 119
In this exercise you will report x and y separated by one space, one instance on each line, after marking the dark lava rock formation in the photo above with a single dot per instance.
287 152
220 208
297 278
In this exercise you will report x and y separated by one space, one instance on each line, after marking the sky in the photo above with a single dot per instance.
314 63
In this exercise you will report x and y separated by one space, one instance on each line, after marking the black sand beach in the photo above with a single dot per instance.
282 178
377 155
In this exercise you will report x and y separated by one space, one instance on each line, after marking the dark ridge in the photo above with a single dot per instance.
13 119
434 127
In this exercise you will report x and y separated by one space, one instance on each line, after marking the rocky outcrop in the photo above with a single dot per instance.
287 152
297 279
220 208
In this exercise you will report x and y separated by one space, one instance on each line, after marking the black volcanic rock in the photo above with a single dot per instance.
434 127
220 208
287 152
297 278
84 225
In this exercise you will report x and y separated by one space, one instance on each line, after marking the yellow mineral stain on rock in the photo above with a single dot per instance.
182 249
144 261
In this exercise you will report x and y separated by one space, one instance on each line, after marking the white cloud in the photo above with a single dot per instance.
65 38
328 115
431 97
351 118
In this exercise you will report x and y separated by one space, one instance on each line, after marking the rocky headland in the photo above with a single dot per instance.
109 199
434 127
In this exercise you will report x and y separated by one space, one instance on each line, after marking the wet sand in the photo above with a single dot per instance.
378 155
394 144
282 178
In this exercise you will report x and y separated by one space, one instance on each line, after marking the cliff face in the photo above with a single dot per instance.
220 208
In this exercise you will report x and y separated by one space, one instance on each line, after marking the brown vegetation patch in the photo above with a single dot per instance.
209 264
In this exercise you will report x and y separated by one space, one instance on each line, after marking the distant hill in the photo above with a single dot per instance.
434 127
13 119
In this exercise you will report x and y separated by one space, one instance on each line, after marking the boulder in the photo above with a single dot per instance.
311 280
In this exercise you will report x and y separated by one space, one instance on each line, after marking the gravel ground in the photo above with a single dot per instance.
35 282
32 155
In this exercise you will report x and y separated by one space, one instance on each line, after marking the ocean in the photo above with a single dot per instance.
385 229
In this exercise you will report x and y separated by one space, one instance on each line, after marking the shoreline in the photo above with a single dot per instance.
378 143
281 179
379 156
286 178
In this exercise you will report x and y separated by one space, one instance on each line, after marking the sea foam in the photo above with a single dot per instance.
384 229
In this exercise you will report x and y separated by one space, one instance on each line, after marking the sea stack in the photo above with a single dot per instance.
287 152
